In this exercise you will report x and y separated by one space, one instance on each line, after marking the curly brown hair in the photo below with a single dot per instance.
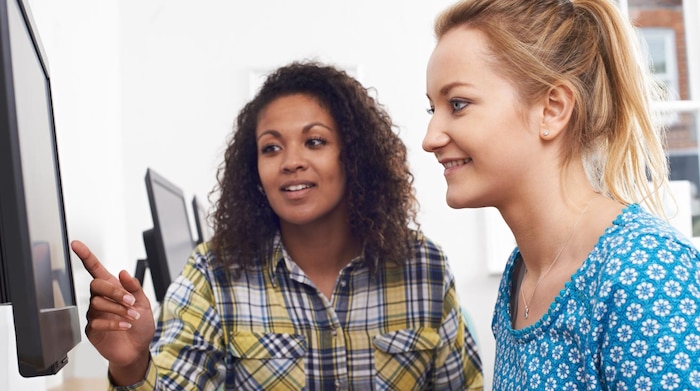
381 199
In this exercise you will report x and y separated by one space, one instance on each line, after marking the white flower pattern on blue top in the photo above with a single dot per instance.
628 319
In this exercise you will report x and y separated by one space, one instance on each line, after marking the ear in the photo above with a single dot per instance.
558 104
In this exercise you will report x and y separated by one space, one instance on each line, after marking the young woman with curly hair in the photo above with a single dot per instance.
379 195
316 277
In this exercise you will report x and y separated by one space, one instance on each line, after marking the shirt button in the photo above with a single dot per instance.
337 385
334 333
343 283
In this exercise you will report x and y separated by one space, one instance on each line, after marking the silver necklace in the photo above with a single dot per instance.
556 258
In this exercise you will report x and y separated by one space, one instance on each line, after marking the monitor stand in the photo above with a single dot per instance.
141 266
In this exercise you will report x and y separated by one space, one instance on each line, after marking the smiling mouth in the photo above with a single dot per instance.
456 163
297 187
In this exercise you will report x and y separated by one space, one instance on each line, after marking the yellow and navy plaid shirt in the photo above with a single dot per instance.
269 328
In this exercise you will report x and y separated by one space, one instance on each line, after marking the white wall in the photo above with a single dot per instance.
10 379
156 83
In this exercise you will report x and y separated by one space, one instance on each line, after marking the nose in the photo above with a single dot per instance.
435 138
294 160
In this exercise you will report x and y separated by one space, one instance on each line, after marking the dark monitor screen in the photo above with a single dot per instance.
169 244
37 278
201 213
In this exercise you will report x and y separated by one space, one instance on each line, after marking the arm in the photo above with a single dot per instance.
651 335
188 348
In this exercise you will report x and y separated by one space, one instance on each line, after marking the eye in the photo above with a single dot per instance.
269 148
430 110
458 105
316 142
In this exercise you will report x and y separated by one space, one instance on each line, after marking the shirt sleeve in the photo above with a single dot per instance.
649 318
458 365
188 349
149 383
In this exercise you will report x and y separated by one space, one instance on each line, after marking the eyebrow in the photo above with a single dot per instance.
447 87
305 129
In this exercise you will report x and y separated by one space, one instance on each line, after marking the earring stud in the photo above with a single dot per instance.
545 133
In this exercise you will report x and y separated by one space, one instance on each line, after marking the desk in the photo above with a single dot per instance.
95 384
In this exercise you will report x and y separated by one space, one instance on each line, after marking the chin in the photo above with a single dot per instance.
456 203
464 198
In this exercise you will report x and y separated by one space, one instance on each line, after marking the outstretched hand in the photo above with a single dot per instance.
120 322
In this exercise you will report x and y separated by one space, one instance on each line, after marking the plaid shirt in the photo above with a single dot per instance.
269 328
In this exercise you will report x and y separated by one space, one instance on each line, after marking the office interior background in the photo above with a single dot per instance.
156 83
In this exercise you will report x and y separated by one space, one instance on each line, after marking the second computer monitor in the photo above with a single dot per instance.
201 213
169 243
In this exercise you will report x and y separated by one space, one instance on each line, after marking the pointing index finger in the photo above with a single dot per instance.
90 261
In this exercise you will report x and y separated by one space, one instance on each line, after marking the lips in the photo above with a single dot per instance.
297 187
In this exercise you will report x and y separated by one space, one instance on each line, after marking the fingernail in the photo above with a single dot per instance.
125 325
130 300
134 314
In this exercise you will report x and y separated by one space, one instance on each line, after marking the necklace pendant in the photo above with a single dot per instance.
527 312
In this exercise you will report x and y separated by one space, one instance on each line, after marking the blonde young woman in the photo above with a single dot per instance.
541 109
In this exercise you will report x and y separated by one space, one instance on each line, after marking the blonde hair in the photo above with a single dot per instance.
590 46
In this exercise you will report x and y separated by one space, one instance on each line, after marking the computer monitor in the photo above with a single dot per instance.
36 278
169 243
201 213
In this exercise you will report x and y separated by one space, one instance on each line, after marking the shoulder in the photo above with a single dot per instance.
639 242
205 269
205 276
429 257
427 265
643 259
425 248
636 226
203 260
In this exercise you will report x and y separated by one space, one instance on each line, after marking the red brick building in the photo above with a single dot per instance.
662 24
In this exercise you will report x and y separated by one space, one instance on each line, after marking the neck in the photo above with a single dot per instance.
556 240
543 219
321 250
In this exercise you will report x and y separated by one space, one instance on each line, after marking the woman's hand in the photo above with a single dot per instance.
120 320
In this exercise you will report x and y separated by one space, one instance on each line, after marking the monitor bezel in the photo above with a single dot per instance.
44 336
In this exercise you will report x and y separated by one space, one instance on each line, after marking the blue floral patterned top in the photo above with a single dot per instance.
629 318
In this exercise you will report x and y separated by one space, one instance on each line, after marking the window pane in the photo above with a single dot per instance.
661 23
656 40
